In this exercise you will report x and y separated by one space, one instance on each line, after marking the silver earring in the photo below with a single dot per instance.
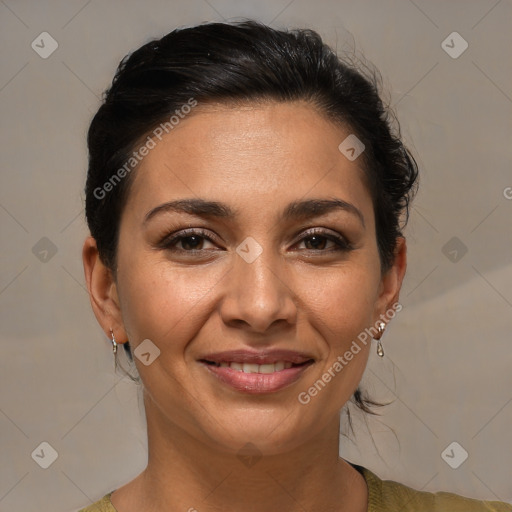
114 344
380 350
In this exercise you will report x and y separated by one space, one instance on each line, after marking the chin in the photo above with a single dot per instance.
269 433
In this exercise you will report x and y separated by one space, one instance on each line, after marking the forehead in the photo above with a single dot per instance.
249 153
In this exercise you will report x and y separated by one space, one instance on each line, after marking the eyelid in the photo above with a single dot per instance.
339 239
176 236
169 241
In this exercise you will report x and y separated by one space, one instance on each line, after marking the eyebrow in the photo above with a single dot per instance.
296 210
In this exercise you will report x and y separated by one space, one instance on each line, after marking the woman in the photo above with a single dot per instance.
245 198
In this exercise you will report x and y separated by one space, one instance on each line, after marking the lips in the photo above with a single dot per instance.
255 368
257 372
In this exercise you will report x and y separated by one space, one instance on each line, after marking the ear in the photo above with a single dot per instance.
102 291
391 281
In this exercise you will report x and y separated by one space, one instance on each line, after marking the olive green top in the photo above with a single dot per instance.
388 496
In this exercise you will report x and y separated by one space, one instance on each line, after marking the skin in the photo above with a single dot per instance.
299 294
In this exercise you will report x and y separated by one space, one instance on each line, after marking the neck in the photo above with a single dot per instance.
184 473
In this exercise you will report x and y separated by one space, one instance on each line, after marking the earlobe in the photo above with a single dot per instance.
102 291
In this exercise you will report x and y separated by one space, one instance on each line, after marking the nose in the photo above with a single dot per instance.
258 296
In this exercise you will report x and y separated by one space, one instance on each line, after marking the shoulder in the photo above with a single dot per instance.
103 505
387 495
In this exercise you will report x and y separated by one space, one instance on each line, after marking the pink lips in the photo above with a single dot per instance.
255 383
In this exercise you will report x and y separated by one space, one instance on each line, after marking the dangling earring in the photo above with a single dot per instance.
114 344
380 350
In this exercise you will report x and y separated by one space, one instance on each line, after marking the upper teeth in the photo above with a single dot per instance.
258 368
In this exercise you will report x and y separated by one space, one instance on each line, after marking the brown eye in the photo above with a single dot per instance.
319 240
190 241
316 242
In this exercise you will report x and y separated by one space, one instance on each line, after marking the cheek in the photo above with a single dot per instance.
163 302
341 299
342 303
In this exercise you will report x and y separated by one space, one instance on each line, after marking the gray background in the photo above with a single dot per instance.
448 353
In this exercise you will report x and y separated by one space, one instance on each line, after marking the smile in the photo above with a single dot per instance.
255 368
254 378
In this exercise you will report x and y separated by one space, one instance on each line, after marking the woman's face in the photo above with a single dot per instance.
257 270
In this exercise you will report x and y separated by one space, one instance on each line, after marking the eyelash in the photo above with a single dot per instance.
170 241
